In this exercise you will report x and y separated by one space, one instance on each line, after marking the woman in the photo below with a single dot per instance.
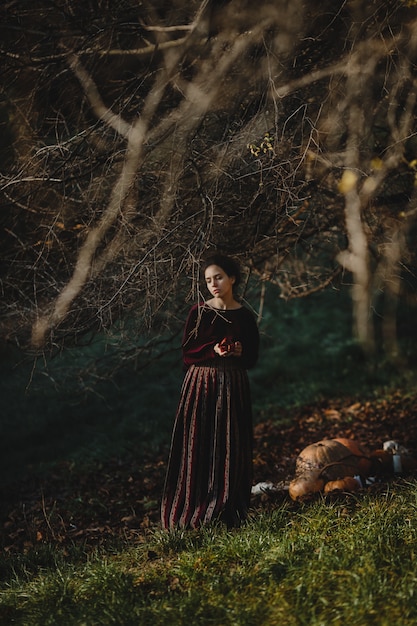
209 474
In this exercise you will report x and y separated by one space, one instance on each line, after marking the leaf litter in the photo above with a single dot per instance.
118 499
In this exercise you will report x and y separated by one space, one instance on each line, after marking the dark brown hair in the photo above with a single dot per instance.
228 265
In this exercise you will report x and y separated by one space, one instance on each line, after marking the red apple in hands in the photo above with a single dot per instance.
226 345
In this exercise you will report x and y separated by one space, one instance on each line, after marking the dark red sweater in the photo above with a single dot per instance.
206 326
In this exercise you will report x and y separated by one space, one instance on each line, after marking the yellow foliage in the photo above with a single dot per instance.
377 163
348 181
265 146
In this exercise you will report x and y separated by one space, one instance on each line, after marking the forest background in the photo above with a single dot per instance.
137 136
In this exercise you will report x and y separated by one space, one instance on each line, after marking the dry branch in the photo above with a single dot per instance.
276 131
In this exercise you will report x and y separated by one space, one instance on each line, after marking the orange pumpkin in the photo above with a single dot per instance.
306 485
364 463
348 484
334 459
318 455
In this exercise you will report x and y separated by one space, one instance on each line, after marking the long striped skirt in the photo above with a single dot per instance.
209 474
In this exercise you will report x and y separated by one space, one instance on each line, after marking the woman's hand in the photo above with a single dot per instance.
227 349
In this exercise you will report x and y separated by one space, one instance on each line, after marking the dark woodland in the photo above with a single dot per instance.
137 136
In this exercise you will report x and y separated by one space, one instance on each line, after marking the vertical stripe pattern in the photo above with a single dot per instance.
209 473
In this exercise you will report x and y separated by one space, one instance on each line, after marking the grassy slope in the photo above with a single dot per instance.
349 562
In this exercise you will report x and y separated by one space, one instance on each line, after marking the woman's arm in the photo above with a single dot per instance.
198 343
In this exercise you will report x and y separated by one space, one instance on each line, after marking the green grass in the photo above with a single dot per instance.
340 562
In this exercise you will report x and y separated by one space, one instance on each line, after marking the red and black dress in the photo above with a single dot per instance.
209 474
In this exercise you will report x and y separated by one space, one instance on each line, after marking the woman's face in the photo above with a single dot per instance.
219 284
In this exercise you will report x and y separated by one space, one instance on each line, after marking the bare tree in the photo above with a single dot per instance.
138 137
